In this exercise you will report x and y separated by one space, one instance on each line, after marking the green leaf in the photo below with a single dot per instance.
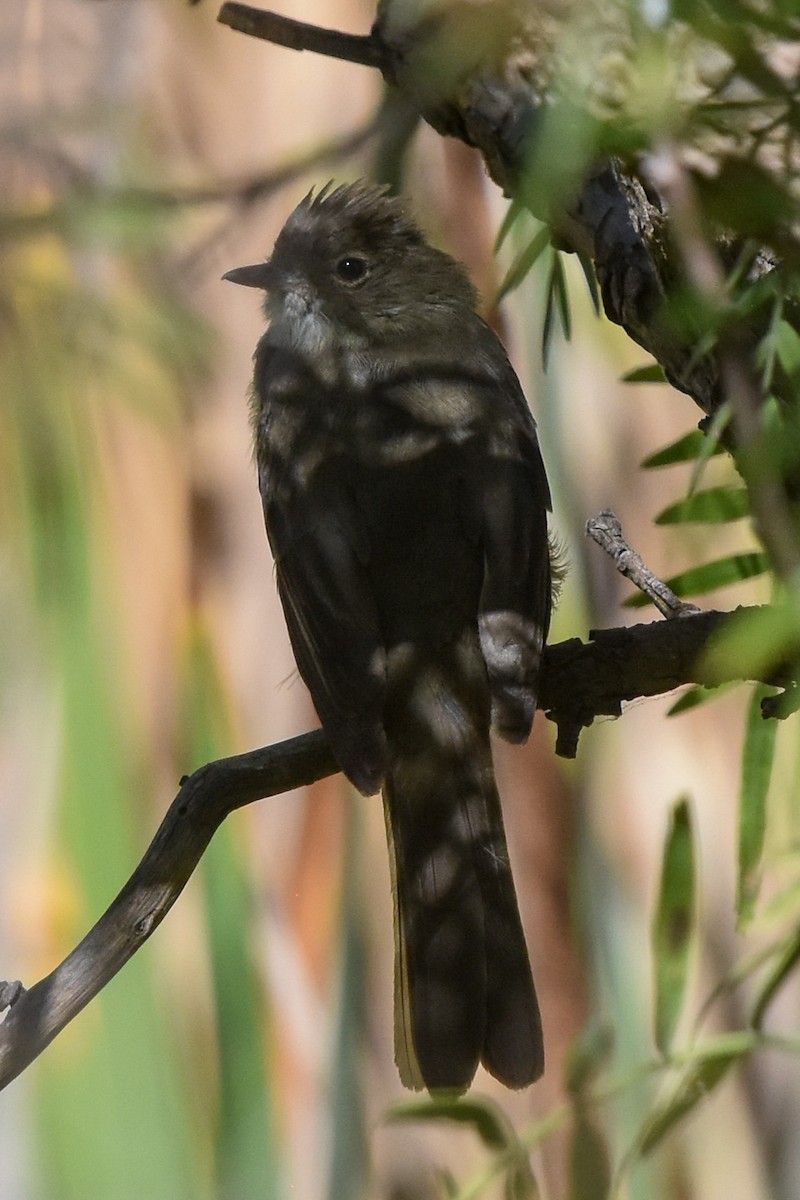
757 756
515 210
523 263
787 348
492 1126
649 373
588 1054
486 1118
589 1161
757 640
783 968
685 449
711 445
673 925
587 266
701 1077
556 302
558 283
706 578
694 696
715 506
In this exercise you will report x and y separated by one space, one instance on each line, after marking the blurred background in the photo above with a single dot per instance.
246 1051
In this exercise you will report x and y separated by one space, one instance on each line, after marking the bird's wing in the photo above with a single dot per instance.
513 500
321 552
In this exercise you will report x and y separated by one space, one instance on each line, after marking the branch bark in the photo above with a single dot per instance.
580 680
614 220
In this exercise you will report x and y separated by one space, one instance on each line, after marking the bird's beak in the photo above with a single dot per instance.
260 275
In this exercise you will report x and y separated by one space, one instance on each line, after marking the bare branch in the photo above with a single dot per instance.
579 682
297 35
584 680
202 804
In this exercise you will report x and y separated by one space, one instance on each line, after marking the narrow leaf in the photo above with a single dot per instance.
521 1182
515 209
649 373
587 267
714 506
694 696
781 971
699 1080
589 1161
558 282
787 348
588 1054
758 641
757 756
487 1119
673 925
685 449
719 573
523 263
547 325
712 445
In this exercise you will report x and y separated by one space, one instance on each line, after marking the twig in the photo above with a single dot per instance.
579 682
297 35
200 807
606 530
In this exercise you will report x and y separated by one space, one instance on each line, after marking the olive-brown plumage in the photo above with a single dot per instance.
405 502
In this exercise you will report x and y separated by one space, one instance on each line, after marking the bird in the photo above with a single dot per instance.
406 505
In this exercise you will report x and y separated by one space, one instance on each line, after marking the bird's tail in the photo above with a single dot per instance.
464 992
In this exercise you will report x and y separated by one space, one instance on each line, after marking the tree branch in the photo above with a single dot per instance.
298 35
579 682
496 106
202 804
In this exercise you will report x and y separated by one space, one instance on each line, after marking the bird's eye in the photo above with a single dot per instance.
351 269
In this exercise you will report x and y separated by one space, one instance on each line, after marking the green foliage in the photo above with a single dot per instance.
510 1152
757 758
674 925
714 506
649 373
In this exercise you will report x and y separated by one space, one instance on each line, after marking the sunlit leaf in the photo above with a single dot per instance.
685 449
758 640
715 506
787 348
515 210
673 925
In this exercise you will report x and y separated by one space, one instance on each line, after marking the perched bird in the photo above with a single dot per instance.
406 506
